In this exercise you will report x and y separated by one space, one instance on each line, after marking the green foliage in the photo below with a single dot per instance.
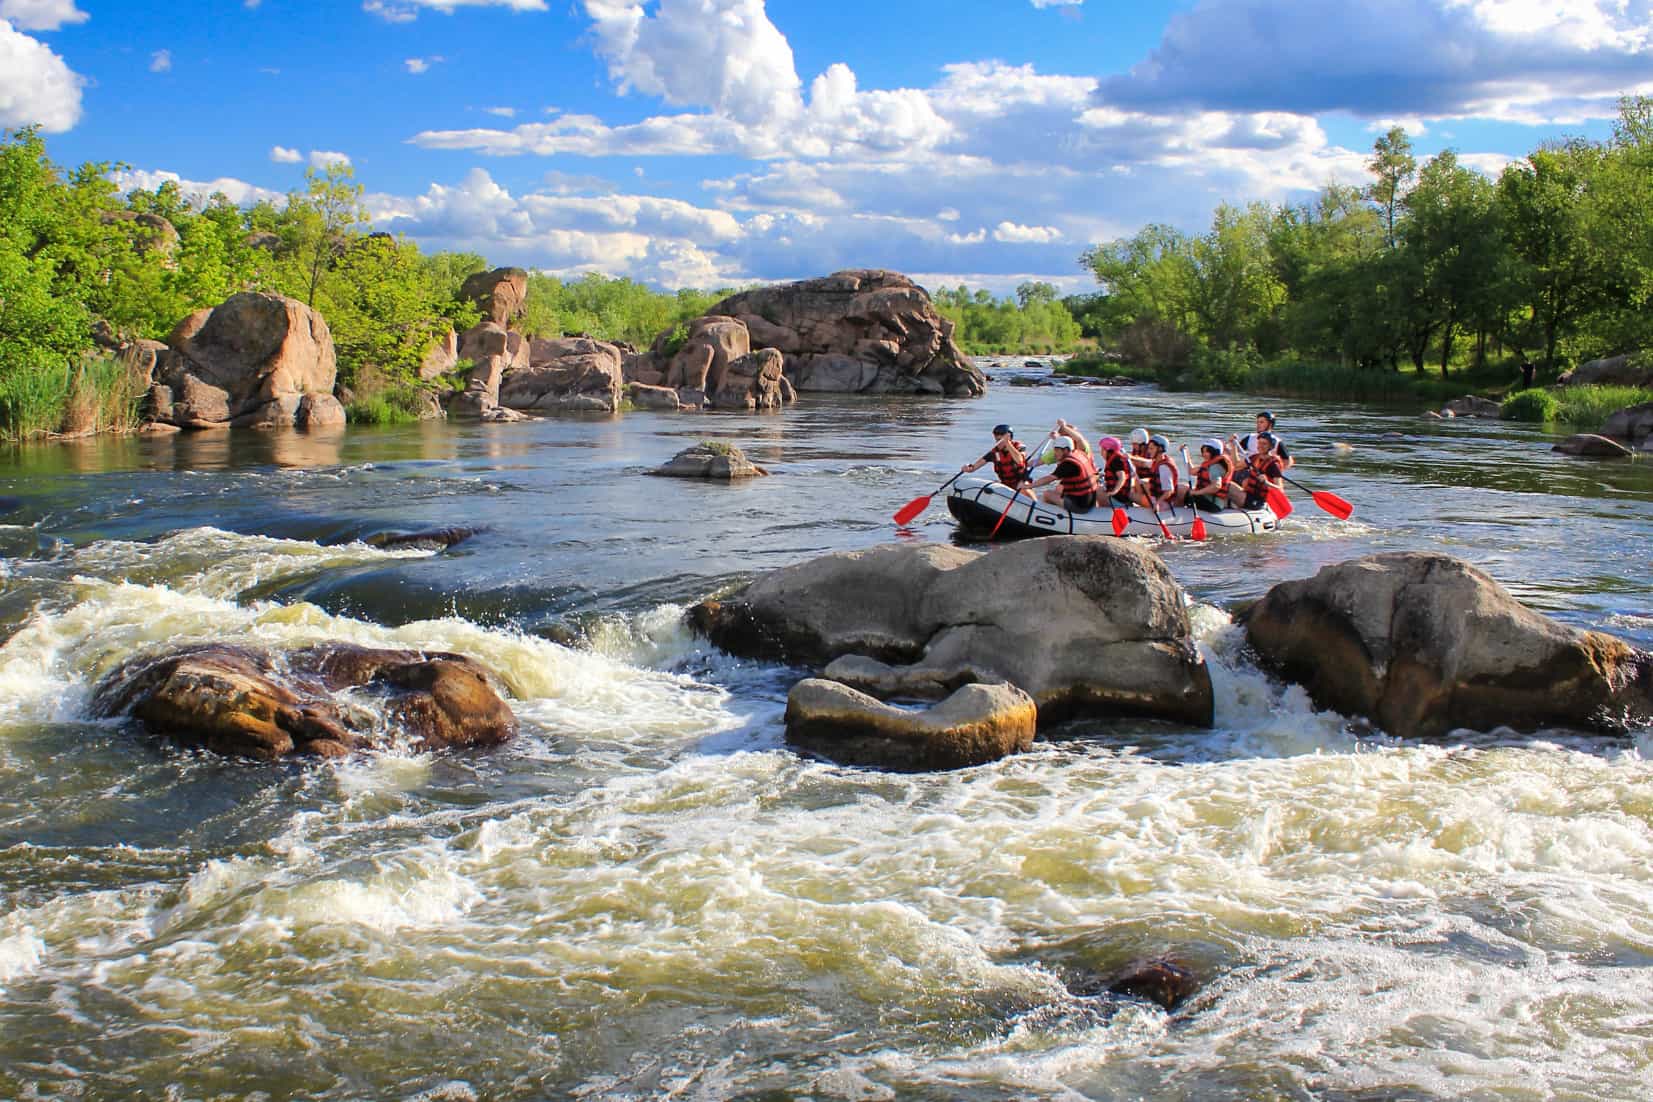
1592 405
609 309
389 407
1537 406
1034 322
675 340
716 446
32 397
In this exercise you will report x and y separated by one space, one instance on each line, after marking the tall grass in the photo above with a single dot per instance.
32 396
97 394
392 406
1592 405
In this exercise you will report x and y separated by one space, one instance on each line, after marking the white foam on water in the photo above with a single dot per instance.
20 954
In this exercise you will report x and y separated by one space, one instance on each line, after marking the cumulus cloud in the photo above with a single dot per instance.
281 155
502 112
1511 59
37 88
321 158
160 61
237 191
417 65
1010 232
41 15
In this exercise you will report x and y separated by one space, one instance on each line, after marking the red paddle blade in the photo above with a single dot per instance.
1120 521
1002 515
1333 504
910 510
1279 502
1198 531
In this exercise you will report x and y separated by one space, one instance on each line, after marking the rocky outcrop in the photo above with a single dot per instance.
643 396
860 331
1591 446
573 374
1627 370
500 294
1422 643
253 703
442 356
1085 625
148 233
975 725
710 345
1633 425
492 350
1472 406
717 462
751 382
251 361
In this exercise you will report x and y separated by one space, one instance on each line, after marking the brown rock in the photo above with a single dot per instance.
652 397
1633 424
1592 446
247 702
713 342
1472 406
442 356
500 294
751 382
1626 370
236 359
717 462
1422 643
576 374
317 411
975 725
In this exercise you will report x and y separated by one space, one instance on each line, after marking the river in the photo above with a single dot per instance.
648 896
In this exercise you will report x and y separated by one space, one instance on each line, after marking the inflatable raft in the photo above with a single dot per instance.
978 503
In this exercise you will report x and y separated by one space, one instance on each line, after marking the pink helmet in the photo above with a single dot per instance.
1108 443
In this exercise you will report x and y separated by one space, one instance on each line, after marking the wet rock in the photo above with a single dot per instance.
1591 446
317 411
573 374
644 396
975 725
1422 643
1085 625
718 462
431 539
250 360
1472 406
1163 981
1633 424
248 702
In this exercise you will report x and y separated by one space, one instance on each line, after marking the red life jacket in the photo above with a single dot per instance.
1010 467
1201 473
1153 475
1083 483
1116 464
1255 479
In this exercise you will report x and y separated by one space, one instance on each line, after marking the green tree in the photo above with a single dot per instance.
1394 166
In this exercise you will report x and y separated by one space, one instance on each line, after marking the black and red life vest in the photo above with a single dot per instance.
1116 464
1202 472
1081 484
1010 464
1256 479
1153 474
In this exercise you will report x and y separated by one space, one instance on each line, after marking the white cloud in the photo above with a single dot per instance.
1011 233
281 155
947 214
41 15
321 158
502 112
976 237
36 87
237 191
160 61
406 11
1057 3
417 65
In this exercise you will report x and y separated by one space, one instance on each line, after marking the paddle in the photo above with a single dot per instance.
1155 507
1279 502
918 504
1327 500
1031 463
1198 531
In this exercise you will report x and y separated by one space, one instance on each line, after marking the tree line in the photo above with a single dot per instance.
1433 265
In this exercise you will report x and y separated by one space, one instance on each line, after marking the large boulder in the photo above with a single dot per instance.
442 356
253 703
714 461
249 361
1627 370
878 319
1633 424
751 382
147 232
500 294
1422 643
709 345
574 374
1471 405
1086 625
1591 446
975 725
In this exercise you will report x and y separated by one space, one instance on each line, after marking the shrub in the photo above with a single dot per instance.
32 393
391 406
1537 406
675 340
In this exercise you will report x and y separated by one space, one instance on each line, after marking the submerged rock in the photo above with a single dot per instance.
1085 625
1591 446
975 725
1633 425
248 702
1471 405
718 462
432 539
1422 643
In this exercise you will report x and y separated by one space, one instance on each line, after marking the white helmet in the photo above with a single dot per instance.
1139 436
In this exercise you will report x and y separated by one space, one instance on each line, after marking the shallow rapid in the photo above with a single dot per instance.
648 895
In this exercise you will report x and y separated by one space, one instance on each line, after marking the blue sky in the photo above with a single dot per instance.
717 142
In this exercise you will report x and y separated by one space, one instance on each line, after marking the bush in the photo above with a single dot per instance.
32 393
1592 405
1536 406
392 406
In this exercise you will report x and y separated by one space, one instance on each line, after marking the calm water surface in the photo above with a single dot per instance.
648 896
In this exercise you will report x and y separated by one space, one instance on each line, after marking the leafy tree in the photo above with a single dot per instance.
1394 166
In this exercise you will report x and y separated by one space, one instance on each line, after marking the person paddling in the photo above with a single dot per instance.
1074 478
1141 462
1117 475
1008 456
1260 475
1162 474
1209 482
